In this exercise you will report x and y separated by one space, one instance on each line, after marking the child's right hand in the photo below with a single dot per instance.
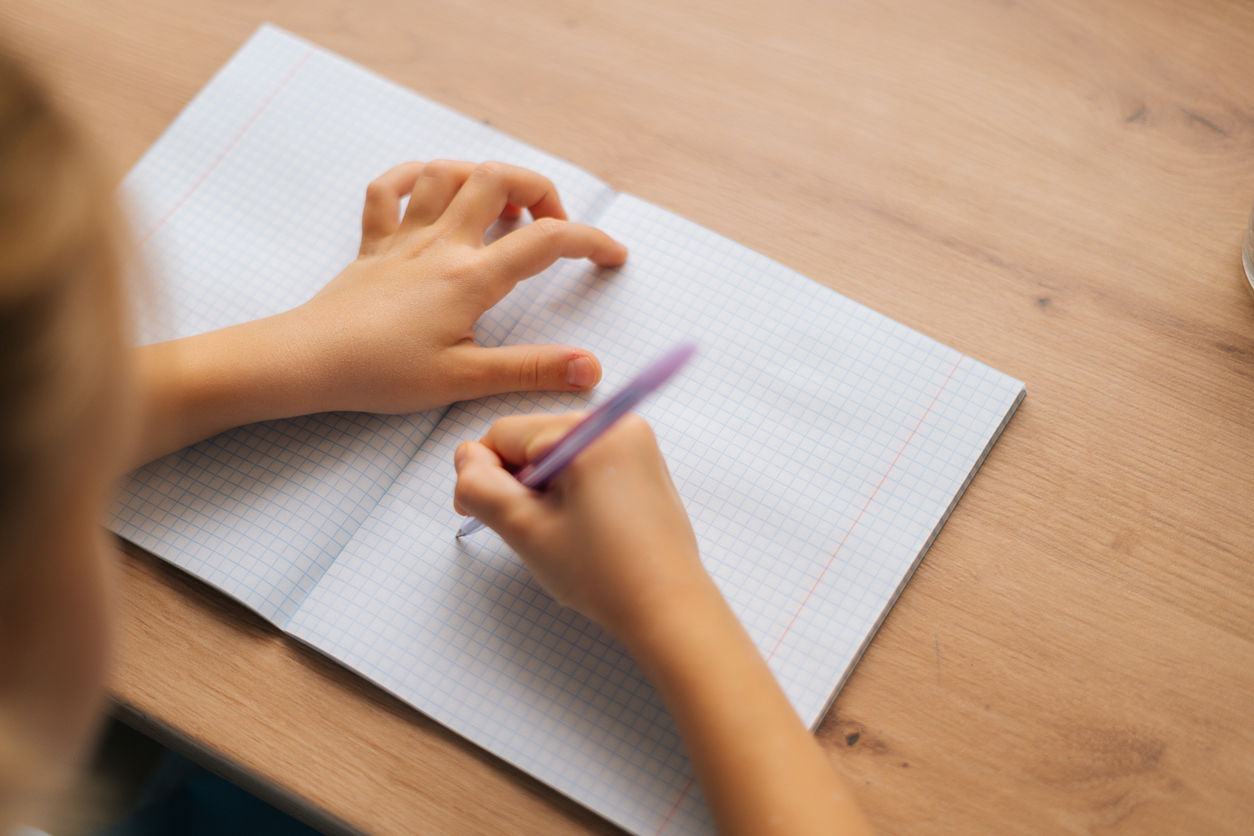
608 537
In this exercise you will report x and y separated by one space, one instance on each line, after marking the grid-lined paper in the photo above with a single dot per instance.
807 424
818 447
248 205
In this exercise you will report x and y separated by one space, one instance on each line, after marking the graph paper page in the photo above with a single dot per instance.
817 445
248 204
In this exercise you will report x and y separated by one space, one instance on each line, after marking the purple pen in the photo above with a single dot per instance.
538 473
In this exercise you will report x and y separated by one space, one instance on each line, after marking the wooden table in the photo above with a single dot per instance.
1058 189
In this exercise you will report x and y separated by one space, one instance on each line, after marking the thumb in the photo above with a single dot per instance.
527 368
484 488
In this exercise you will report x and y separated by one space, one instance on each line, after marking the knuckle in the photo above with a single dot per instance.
505 425
536 446
550 229
465 268
490 171
439 169
509 427
543 440
637 430
377 190
530 370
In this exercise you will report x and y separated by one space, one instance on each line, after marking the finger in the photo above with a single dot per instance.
523 368
484 488
434 190
519 439
511 212
493 186
526 251
380 216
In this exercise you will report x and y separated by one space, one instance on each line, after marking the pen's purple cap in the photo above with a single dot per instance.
538 473
666 366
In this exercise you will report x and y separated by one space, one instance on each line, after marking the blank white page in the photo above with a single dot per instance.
248 204
817 445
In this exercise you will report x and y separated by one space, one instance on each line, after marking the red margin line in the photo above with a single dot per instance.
869 500
688 786
229 147
675 807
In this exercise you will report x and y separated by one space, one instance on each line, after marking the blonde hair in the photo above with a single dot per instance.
62 336
60 289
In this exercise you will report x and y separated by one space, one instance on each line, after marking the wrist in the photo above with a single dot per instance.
196 387
256 371
670 620
303 371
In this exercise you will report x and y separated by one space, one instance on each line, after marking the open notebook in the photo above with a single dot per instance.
818 445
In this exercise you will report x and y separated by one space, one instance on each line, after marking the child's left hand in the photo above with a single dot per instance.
394 331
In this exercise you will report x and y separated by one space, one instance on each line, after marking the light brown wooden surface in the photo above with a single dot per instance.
1058 189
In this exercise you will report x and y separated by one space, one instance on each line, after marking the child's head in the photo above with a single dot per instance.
64 386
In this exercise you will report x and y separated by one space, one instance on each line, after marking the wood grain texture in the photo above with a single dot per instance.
1058 189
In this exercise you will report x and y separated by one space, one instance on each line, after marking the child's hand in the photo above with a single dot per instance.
609 536
393 332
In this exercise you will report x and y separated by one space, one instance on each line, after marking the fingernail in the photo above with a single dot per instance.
459 456
581 372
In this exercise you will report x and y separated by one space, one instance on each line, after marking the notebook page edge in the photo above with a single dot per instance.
797 274
261 32
267 39
260 606
607 194
467 736
905 581
211 101
816 284
811 285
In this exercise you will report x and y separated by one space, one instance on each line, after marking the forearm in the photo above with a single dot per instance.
196 387
760 769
